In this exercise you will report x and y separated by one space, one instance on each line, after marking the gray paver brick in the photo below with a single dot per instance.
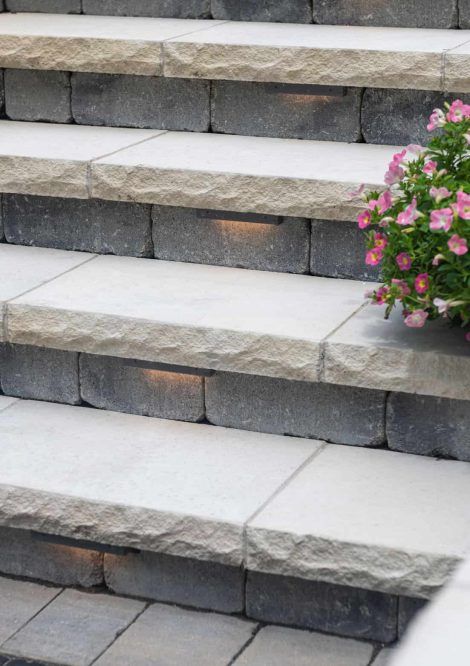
19 602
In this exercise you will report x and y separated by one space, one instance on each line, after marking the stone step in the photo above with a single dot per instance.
293 327
413 58
376 520
280 177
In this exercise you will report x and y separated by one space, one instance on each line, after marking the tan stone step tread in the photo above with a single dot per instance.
361 517
292 53
272 324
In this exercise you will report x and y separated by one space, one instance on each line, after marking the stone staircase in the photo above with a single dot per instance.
305 463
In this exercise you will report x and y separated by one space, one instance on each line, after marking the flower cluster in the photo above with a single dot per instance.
418 229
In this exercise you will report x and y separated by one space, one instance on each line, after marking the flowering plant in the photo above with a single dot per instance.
418 229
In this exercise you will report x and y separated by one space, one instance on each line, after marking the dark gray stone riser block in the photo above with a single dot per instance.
406 423
380 116
330 248
345 611
395 13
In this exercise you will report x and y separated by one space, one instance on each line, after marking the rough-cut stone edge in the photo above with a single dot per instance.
193 346
291 197
52 177
339 67
119 525
81 54
377 568
456 70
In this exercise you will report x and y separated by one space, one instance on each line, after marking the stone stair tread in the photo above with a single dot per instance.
291 53
360 517
273 324
224 172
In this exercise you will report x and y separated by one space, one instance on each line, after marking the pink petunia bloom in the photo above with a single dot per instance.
439 193
380 240
381 295
416 319
404 261
458 112
374 256
430 167
415 149
394 174
436 120
441 305
355 194
385 202
463 205
409 215
457 245
399 158
402 288
441 220
364 219
422 283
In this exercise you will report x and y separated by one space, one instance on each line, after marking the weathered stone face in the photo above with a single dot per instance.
38 95
140 101
49 6
269 109
464 13
394 13
294 11
156 8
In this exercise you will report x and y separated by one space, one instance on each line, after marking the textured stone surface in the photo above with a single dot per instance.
39 374
165 635
346 537
276 109
88 43
177 580
176 488
52 635
49 6
188 314
385 354
318 54
428 426
20 601
338 250
51 160
408 608
416 14
321 411
22 269
456 66
105 227
383 658
6 402
285 177
464 13
294 11
21 555
185 234
407 122
157 8
277 647
111 383
138 101
38 95
331 608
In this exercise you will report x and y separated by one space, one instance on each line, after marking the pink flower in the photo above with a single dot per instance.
395 173
457 245
441 305
364 219
439 193
380 240
441 219
436 120
385 202
416 319
463 205
381 295
415 149
374 257
399 158
422 283
404 261
402 288
437 259
357 193
430 167
458 111
409 215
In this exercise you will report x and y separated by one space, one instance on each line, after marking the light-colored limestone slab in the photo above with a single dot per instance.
239 173
373 519
6 402
158 485
457 67
115 45
52 160
188 314
370 352
314 54
25 268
